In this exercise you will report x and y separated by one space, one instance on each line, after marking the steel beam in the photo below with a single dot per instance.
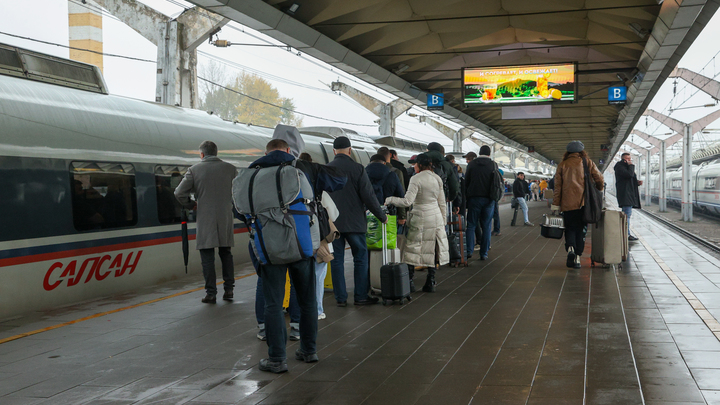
387 112
702 83
687 208
662 197
648 200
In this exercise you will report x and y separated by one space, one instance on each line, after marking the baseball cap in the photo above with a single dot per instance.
413 159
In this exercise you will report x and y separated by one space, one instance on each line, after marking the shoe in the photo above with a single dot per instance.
209 299
477 247
322 316
632 238
483 257
529 224
261 333
307 358
228 296
577 264
342 303
496 233
276 367
570 258
430 281
368 301
294 333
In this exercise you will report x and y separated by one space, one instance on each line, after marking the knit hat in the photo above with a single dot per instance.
436 146
575 146
485 150
341 142
291 135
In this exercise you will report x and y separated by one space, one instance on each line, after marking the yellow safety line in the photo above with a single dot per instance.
35 332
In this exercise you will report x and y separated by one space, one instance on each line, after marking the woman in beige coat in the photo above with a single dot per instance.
427 244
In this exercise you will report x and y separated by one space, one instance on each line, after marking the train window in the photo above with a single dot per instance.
677 183
167 178
315 152
710 183
103 195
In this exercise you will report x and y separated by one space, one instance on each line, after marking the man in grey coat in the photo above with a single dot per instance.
211 181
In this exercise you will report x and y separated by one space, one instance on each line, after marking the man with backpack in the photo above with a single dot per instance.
483 185
352 201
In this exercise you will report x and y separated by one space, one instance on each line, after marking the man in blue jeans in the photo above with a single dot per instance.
351 201
478 181
520 189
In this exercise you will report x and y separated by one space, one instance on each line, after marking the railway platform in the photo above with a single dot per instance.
519 328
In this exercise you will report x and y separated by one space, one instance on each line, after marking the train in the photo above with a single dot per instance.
87 183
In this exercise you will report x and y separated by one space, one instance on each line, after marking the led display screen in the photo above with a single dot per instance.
520 84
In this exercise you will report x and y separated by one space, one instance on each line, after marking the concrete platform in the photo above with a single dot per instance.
519 328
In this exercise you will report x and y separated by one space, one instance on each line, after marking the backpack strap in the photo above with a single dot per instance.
250 191
278 172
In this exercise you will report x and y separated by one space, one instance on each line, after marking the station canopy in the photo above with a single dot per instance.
414 47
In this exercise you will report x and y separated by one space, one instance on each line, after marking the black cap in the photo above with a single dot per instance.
423 159
341 142
485 150
413 159
436 146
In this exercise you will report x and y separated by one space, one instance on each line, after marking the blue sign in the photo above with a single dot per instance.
435 101
617 95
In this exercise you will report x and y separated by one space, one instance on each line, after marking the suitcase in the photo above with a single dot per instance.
394 278
552 227
375 263
457 241
512 223
609 238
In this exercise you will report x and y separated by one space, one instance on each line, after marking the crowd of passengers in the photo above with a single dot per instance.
421 194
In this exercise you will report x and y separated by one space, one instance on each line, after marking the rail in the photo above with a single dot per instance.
702 241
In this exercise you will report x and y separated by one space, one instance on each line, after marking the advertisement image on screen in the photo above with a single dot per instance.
519 84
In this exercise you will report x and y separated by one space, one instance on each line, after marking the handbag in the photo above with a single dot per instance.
592 210
514 202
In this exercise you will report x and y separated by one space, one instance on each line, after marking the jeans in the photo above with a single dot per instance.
496 218
358 246
302 274
479 209
207 257
320 273
524 207
575 230
293 306
627 209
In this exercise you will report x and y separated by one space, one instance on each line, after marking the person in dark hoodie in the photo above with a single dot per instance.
436 152
520 190
384 182
478 180
626 184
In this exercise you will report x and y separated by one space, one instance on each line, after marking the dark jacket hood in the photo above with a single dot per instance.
377 171
274 158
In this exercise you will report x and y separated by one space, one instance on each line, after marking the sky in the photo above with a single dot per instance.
305 79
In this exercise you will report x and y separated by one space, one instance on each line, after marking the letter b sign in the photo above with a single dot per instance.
435 101
617 95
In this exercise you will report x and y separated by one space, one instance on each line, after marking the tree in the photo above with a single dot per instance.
260 107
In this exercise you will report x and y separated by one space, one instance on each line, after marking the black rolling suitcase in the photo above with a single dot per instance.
394 278
457 240
514 204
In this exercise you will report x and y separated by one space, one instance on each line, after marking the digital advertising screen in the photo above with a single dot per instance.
520 84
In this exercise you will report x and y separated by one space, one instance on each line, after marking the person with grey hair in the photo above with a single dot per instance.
211 182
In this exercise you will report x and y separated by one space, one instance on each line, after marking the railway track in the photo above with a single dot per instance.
702 241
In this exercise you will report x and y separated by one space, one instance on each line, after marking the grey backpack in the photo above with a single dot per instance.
278 208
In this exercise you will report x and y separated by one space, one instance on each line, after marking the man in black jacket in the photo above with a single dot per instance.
384 182
520 190
478 180
626 183
437 154
352 224
398 165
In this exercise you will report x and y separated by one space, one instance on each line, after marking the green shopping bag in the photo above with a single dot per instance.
373 237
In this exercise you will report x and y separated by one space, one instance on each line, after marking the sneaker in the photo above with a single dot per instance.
477 247
276 367
209 299
228 296
261 334
529 224
484 257
577 264
632 238
294 334
342 303
307 358
321 316
368 301
570 258
496 233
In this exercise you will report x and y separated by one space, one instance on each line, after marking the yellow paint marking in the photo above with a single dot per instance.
60 325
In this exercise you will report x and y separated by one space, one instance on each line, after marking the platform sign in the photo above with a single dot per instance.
617 95
435 101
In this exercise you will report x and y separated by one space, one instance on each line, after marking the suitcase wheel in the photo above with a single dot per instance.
385 302
592 263
409 298
402 301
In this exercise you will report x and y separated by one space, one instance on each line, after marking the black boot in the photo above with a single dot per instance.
411 271
430 281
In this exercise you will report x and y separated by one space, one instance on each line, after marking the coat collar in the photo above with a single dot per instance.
210 159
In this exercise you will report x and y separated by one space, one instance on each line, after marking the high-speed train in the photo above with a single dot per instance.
87 184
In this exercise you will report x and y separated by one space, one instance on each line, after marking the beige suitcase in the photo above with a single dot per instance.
609 239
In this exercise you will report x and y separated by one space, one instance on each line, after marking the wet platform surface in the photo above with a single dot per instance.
519 328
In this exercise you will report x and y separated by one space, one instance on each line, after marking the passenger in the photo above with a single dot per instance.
436 152
626 184
535 190
469 157
520 188
496 214
398 164
569 198
543 187
211 181
401 174
384 182
352 224
481 206
306 157
427 244
451 158
293 306
411 169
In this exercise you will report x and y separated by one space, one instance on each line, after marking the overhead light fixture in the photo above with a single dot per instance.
638 30
293 9
401 68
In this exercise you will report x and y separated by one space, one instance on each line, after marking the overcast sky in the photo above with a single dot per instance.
301 77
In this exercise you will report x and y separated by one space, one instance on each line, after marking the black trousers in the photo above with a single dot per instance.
207 257
575 230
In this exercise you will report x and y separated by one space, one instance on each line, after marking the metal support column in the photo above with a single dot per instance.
662 201
648 198
687 208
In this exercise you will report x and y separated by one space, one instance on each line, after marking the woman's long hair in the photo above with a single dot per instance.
582 153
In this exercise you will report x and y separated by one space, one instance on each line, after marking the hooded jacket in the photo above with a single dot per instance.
398 165
452 179
386 184
520 188
479 177
354 197
570 182
626 184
